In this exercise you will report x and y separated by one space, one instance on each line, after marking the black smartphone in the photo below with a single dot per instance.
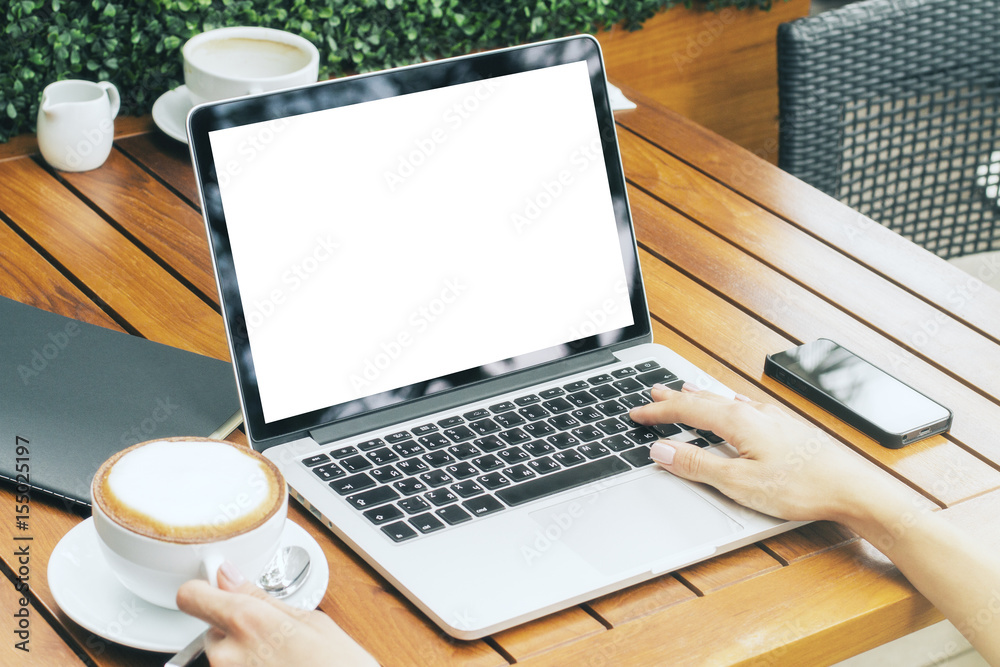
863 395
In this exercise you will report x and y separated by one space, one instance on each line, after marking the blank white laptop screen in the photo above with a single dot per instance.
396 241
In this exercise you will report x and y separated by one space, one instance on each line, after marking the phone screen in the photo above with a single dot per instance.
865 389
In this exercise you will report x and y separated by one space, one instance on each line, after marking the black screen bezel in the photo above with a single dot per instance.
353 90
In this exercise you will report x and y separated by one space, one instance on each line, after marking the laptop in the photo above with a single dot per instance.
72 394
433 298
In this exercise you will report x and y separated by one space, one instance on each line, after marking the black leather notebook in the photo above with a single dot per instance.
72 394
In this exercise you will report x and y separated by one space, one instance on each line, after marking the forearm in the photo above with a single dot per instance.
958 574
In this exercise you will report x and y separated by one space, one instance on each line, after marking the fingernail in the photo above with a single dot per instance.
659 386
690 387
663 453
232 573
741 397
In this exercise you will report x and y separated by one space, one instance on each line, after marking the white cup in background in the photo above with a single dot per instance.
171 510
232 62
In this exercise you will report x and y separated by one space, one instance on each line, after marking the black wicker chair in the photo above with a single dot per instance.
893 107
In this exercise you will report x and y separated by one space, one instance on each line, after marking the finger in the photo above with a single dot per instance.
690 462
229 611
700 409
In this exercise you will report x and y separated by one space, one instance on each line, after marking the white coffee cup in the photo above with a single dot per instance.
171 510
232 62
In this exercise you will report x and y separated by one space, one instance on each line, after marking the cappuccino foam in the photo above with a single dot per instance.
188 490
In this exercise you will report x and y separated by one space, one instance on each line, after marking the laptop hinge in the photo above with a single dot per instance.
454 399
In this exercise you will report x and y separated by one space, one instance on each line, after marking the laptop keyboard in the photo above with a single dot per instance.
477 463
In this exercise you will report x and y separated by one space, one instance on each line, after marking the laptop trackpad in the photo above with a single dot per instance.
639 522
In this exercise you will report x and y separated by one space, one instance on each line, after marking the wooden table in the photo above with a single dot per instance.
739 260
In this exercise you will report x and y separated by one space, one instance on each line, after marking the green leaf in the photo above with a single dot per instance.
11 111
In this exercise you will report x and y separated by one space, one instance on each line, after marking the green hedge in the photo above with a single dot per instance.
136 43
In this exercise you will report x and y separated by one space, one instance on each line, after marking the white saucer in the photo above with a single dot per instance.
85 588
170 112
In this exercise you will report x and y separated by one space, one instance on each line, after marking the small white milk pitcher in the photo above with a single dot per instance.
76 123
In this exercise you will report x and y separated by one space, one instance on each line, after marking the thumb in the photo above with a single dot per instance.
688 461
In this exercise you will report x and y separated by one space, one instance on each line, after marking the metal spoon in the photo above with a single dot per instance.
284 575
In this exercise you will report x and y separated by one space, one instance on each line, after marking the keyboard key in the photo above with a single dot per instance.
436 478
569 478
434 441
483 505
564 422
399 436
581 399
315 460
539 448
412 466
628 386
377 496
409 486
646 366
368 445
467 489
527 400
563 440
438 459
710 436
460 433
328 472
485 426
343 452
502 407
700 442
426 523
424 430
534 412
352 484
570 457
462 470
633 400
490 443
600 379
356 464
380 515
382 456
544 465
587 415
515 436
454 515
579 385
414 505
440 497
451 421
624 372
612 426
593 450
538 429
399 531
518 473
667 430
638 457
513 455
660 375
493 480
558 405
611 408
551 393
617 443
487 463
587 433
606 391
642 436
385 474
477 414
464 451
509 419
409 448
